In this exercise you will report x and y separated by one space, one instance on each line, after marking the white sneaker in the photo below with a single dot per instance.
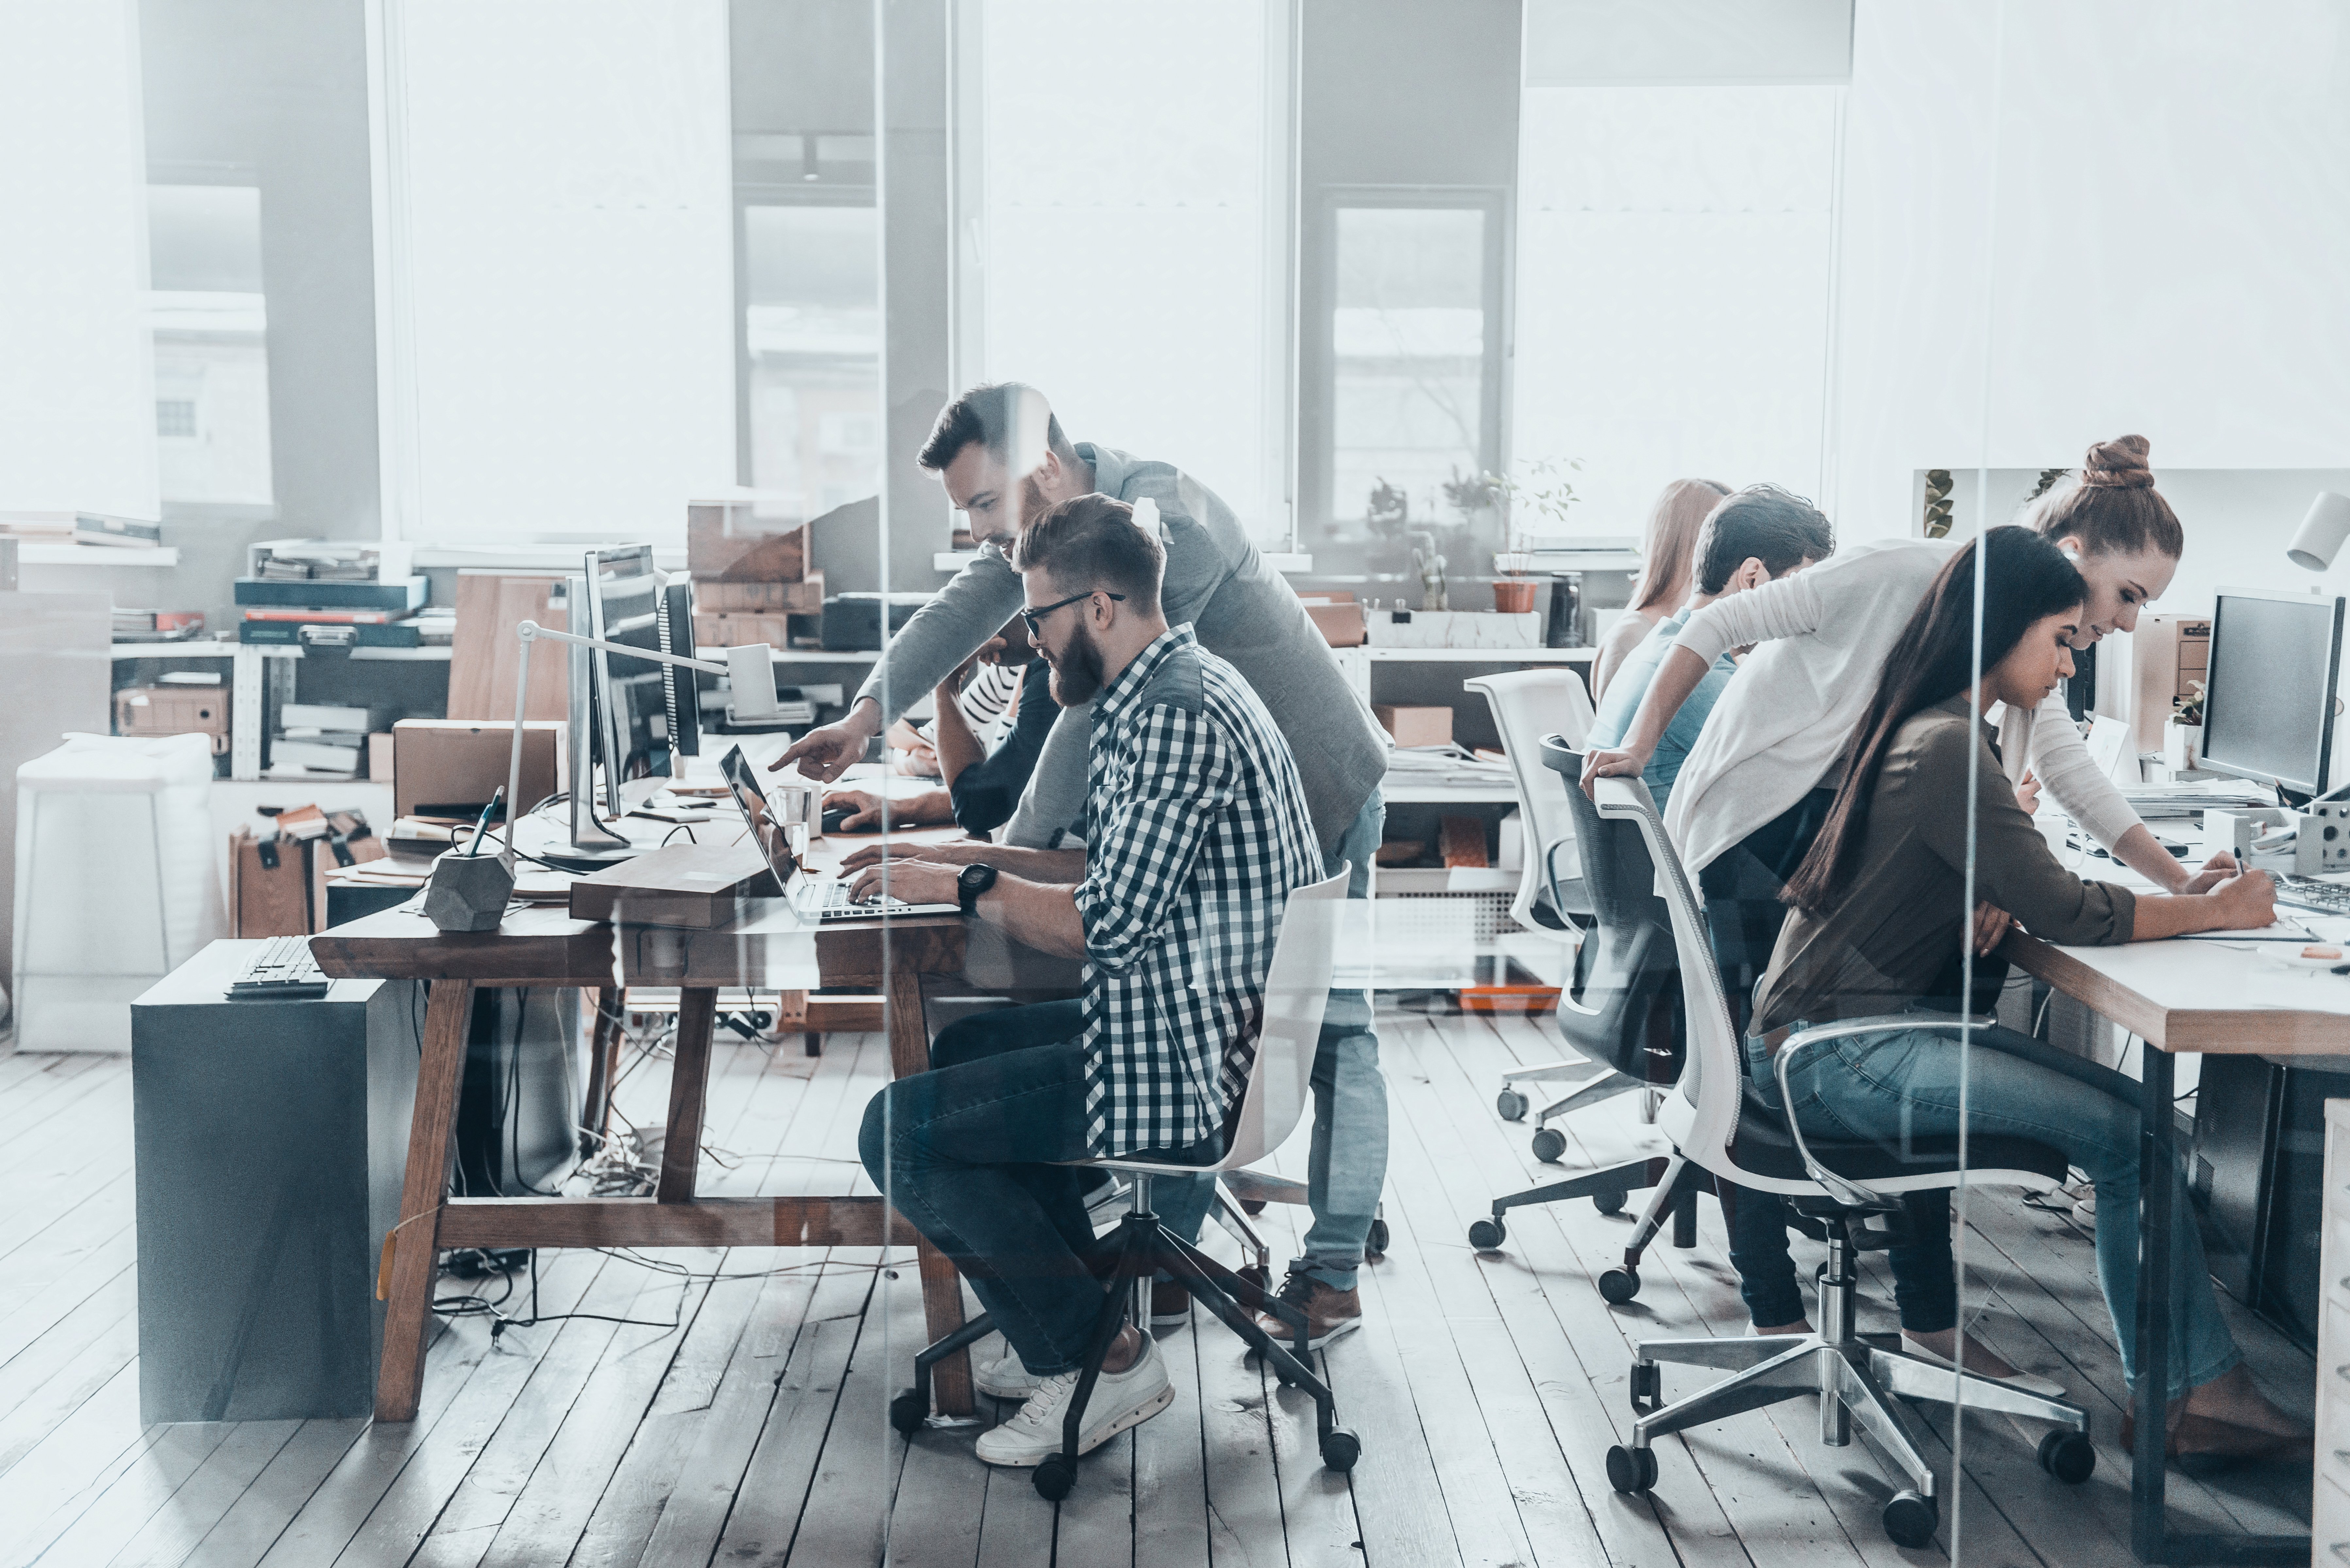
1121 1399
1005 1378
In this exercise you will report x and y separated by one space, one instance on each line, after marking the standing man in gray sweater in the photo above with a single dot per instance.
1004 457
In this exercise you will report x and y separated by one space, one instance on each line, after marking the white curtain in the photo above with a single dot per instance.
76 384
1675 246
557 225
1135 264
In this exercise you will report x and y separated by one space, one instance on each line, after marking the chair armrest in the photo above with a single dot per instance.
1837 1186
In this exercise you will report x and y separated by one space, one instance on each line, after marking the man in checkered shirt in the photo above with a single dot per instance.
1197 831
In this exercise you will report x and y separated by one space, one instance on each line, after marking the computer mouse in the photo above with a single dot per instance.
834 816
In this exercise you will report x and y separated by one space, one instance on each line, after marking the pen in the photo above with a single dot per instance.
482 828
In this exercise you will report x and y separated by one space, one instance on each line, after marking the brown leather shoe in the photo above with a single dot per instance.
1329 1313
2203 1446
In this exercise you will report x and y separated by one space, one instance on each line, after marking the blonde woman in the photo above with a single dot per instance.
1669 549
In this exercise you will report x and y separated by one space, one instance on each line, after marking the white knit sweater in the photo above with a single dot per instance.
1781 727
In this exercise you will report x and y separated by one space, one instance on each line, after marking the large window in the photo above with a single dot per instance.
210 321
1674 266
812 334
1413 359
1131 233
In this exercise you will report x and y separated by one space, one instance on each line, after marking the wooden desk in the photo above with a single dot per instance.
771 949
2186 996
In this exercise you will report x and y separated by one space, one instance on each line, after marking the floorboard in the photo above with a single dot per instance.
1486 1387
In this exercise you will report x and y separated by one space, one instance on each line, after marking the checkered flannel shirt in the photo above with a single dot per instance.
1196 832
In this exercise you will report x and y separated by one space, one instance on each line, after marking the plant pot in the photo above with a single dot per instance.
1513 595
2183 744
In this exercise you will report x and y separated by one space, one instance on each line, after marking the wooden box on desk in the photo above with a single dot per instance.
725 542
698 885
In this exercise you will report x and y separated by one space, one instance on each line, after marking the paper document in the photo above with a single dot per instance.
2282 931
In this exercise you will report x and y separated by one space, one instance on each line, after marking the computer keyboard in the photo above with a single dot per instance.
830 901
2309 893
283 970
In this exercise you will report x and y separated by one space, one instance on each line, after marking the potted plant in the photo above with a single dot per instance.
1550 494
2182 733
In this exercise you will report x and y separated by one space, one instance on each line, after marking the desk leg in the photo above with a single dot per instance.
688 1086
910 1052
2149 1400
603 1066
448 1020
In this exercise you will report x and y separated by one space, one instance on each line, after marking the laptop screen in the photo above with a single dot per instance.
744 784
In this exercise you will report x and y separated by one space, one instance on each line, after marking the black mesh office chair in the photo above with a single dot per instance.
1623 1013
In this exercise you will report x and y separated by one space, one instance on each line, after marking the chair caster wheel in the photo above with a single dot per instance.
1617 1286
1910 1520
1054 1477
1340 1450
1486 1235
1549 1143
2070 1457
1647 1387
1251 1207
1631 1469
1374 1245
1512 1105
908 1410
1608 1202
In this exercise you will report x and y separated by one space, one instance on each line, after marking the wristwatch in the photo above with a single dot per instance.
976 879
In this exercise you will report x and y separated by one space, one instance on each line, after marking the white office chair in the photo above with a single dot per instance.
1297 985
1527 705
1718 1120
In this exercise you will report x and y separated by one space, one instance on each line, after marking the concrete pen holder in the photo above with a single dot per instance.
469 892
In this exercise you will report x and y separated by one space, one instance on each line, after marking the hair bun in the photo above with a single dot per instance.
2119 464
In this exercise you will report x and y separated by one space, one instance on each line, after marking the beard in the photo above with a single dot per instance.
1078 672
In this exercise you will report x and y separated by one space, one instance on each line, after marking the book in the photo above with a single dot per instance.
400 595
324 617
328 716
313 756
97 528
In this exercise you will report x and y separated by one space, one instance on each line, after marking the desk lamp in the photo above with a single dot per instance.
750 669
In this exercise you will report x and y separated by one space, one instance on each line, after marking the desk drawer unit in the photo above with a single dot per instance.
2329 1502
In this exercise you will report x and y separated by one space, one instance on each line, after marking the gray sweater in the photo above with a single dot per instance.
1238 606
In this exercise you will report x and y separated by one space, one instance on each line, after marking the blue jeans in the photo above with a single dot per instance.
1346 1164
966 1152
1890 1086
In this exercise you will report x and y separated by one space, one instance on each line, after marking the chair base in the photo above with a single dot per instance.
1133 1255
1677 1184
1854 1383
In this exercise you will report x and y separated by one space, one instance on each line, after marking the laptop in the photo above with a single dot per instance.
813 898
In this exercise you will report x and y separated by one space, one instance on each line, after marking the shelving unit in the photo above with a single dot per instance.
1356 663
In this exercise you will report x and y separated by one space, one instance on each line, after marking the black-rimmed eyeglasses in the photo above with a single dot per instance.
1034 618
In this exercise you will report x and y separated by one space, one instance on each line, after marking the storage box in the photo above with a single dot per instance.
1416 726
277 886
451 767
852 622
1338 618
724 544
740 631
174 710
718 596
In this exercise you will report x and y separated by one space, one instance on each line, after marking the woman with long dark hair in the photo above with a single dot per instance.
1884 913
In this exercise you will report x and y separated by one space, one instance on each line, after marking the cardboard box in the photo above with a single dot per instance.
451 767
1338 617
379 756
277 885
740 631
174 710
720 598
1416 726
724 544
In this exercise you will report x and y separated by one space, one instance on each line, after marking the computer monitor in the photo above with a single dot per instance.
2268 705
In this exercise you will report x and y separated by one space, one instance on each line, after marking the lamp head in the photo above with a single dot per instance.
2320 536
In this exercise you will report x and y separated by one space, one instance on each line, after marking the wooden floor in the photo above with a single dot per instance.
1487 1389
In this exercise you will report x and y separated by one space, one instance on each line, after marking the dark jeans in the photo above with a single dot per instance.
964 1152
1743 914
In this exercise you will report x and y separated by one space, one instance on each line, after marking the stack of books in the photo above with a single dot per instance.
332 611
322 739
158 626
83 528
